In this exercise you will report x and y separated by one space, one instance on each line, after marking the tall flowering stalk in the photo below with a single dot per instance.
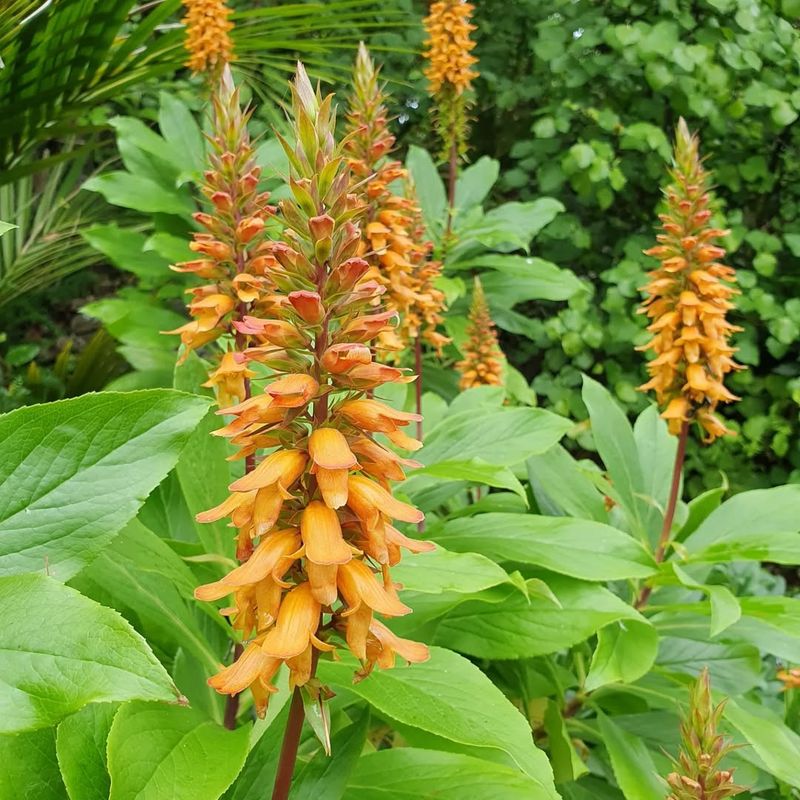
316 513
449 70
688 298
482 364
698 774
208 42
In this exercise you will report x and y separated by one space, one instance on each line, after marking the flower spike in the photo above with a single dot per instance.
689 296
208 40
482 364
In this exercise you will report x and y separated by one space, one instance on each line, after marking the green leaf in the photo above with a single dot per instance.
147 579
158 751
615 442
576 547
631 761
5 227
409 773
429 188
140 193
475 471
777 745
507 625
451 698
30 768
560 478
203 471
81 748
516 279
125 249
504 438
699 508
762 525
725 608
475 182
442 571
75 471
656 448
182 133
66 651
625 652
325 777
567 765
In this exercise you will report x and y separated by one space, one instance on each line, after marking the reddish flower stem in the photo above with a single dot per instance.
669 514
452 174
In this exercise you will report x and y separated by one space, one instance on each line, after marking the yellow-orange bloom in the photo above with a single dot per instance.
482 364
688 298
449 46
315 513
208 40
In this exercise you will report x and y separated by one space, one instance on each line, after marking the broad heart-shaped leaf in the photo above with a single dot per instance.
145 578
475 471
140 193
157 751
761 525
576 547
625 651
429 188
451 698
631 761
28 766
325 777
81 748
504 437
408 773
507 625
75 471
62 651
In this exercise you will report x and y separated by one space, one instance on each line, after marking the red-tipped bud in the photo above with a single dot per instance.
351 271
211 247
308 305
321 227
201 218
249 228
222 201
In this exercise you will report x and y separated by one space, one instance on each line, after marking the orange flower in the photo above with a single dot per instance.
207 34
482 364
689 296
449 70
313 521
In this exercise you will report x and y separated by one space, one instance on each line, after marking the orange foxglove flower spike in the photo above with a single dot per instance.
688 298
230 249
208 40
450 68
314 517
482 364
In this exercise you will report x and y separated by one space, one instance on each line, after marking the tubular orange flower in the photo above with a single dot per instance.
482 364
314 521
231 247
689 296
207 34
449 70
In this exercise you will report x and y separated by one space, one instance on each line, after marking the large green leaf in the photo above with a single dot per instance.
411 774
125 249
631 761
429 188
155 752
29 766
140 194
475 182
656 448
625 652
475 471
576 547
81 748
504 438
65 651
451 698
74 472
511 626
146 579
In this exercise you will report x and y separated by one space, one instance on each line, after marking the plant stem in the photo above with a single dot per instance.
232 700
291 741
452 174
669 514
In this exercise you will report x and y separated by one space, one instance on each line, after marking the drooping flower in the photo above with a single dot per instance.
208 42
698 773
449 70
231 251
689 296
387 244
314 517
482 364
